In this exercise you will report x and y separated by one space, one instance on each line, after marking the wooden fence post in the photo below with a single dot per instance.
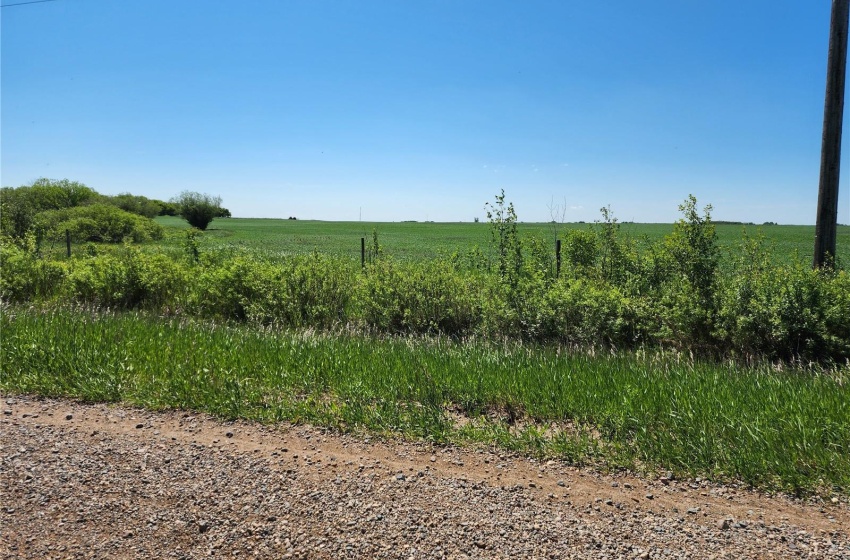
362 252
68 242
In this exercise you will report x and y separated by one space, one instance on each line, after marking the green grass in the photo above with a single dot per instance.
418 240
773 429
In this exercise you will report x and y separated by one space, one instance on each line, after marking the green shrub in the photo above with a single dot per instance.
24 276
20 206
581 250
16 212
303 291
504 238
129 279
694 251
224 289
585 313
134 204
98 222
574 311
429 297
786 312
198 209
681 276
614 292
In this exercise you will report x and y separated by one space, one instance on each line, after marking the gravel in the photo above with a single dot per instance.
97 481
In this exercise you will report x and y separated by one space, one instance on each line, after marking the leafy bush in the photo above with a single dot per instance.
50 194
134 204
224 290
20 206
586 313
429 297
505 238
99 222
16 212
26 276
785 312
198 209
307 291
128 279
617 262
581 250
687 303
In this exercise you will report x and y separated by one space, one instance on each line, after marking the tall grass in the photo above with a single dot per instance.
787 429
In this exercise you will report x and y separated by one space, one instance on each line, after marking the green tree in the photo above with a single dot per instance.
51 194
20 206
198 209
504 236
134 204
16 212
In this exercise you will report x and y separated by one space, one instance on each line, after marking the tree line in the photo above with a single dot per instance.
47 208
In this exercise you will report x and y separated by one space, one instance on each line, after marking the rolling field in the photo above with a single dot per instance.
428 240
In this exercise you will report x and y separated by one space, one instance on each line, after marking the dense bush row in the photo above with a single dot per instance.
48 210
610 292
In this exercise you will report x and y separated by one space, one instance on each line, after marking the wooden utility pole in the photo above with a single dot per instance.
833 114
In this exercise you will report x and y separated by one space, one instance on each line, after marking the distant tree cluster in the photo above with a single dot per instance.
49 208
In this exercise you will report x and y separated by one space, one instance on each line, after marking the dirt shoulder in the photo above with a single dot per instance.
102 481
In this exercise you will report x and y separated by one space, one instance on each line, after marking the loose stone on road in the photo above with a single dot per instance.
102 481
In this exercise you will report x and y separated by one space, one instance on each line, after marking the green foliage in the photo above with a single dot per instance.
693 249
49 194
301 291
16 212
134 204
98 222
589 314
198 209
691 258
581 250
20 206
675 292
48 207
167 208
429 297
617 258
304 291
504 238
127 280
25 276
787 312
191 245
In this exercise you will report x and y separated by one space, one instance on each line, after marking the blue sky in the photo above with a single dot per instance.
424 110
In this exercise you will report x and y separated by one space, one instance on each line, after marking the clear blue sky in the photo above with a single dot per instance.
415 110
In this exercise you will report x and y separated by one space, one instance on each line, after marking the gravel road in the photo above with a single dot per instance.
100 481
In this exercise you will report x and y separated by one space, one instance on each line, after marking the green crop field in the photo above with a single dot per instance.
428 240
